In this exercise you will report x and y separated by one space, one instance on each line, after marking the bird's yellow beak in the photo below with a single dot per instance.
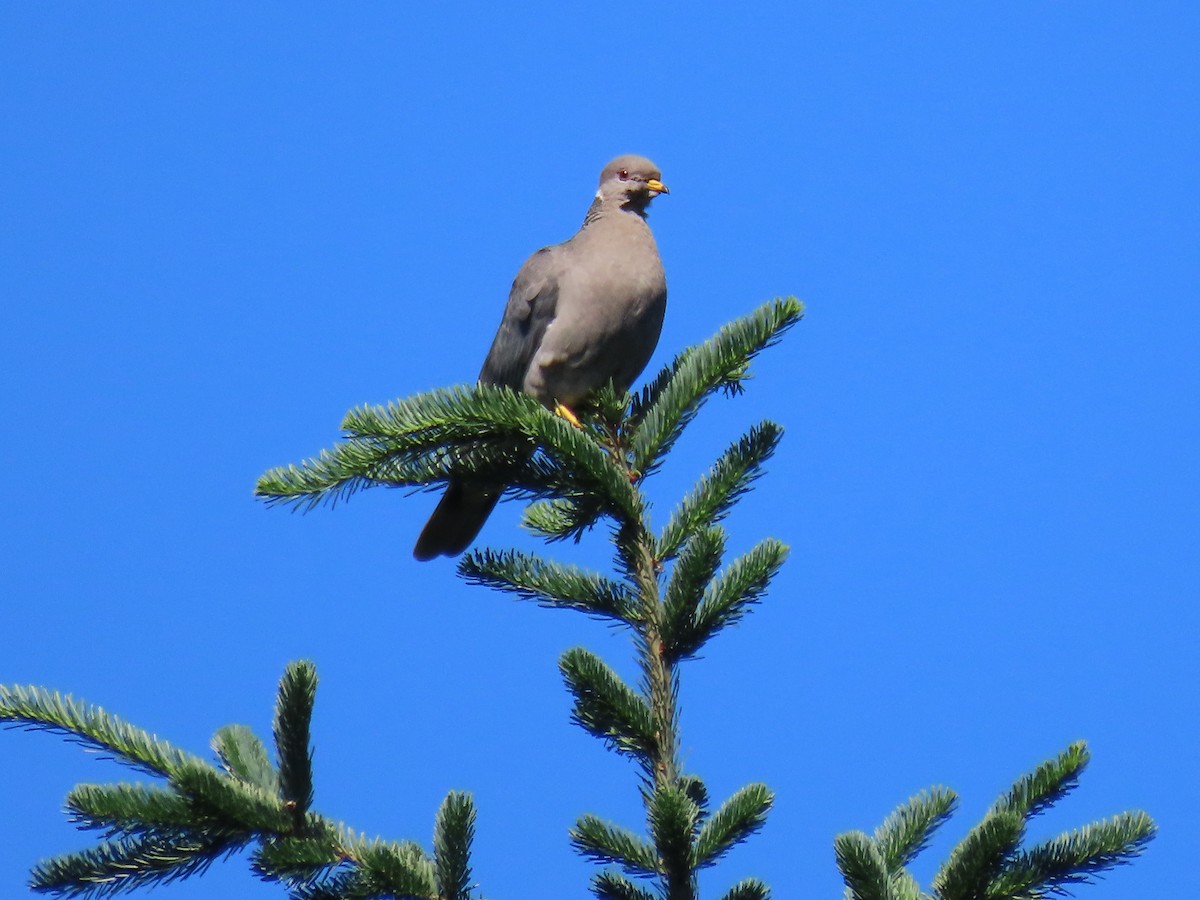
657 186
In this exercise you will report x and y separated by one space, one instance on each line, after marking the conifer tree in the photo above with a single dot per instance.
671 589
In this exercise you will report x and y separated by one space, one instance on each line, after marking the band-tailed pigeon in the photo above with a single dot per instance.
580 314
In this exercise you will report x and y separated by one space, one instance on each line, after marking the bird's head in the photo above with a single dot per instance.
631 181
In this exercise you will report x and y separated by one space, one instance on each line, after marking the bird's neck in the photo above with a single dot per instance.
601 209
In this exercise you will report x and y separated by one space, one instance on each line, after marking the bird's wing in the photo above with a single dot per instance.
531 308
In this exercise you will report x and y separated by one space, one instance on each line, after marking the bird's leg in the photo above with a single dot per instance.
567 414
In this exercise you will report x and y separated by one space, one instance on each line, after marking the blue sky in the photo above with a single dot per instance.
223 225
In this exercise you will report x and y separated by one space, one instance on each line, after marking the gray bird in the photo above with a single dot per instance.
580 314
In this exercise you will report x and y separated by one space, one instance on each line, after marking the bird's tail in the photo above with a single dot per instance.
456 521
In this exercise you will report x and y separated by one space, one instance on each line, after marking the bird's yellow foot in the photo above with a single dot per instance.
567 414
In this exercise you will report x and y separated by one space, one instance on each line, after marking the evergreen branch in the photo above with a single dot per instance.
155 835
395 868
906 831
714 495
697 792
293 715
353 882
660 679
647 397
1074 858
669 404
355 465
300 859
347 884
692 573
609 844
608 407
673 818
980 856
862 865
726 599
38 709
444 416
561 519
574 464
230 800
477 433
408 443
1047 784
606 707
736 819
132 809
748 889
612 886
244 757
550 583
453 832
130 862
902 886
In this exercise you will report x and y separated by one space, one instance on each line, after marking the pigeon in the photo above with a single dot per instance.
580 314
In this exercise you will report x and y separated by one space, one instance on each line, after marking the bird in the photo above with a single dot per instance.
580 314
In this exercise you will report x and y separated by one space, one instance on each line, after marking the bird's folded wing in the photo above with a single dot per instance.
530 310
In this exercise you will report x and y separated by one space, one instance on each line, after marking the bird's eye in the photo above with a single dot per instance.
623 174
